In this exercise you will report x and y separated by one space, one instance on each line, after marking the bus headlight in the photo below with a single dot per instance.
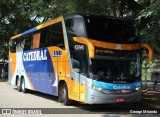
137 88
96 88
100 89
115 91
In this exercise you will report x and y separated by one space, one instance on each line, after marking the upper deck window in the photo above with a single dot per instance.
110 30
75 27
52 36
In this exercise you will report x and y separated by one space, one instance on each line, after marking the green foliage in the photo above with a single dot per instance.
150 25
17 16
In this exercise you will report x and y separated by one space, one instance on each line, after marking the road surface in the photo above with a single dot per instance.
11 98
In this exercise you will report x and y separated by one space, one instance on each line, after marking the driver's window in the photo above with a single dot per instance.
75 27
79 62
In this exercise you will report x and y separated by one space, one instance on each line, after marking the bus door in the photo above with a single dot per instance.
79 66
82 80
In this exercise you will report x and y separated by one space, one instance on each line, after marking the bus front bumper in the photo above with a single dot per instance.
97 97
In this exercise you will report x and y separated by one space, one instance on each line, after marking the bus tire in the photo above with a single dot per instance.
19 85
24 90
63 95
60 93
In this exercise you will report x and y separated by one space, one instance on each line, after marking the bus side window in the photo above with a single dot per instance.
52 36
35 40
12 45
16 45
79 62
75 27
27 41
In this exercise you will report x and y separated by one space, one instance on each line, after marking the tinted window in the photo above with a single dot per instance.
110 30
75 27
49 36
27 40
36 40
52 36
20 43
12 45
79 61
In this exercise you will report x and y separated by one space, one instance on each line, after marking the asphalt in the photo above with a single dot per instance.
12 99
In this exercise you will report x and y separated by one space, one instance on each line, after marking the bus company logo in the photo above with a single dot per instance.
79 47
117 87
138 84
35 55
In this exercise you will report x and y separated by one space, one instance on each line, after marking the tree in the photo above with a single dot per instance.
17 16
149 24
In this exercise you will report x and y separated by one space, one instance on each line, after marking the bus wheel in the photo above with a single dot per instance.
19 86
24 90
63 95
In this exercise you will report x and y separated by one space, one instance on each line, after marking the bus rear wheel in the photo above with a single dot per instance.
24 90
63 95
19 85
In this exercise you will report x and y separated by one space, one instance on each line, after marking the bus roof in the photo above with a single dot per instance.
96 15
38 27
65 17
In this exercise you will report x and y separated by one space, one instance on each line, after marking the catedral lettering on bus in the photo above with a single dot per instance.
34 55
93 59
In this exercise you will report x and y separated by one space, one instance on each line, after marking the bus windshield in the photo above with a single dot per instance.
110 30
124 67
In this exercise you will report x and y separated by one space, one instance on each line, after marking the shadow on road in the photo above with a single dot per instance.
113 108
120 108
39 94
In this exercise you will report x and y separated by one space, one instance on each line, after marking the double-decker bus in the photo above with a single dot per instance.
92 59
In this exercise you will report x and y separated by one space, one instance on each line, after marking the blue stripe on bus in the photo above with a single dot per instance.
111 86
40 70
29 31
